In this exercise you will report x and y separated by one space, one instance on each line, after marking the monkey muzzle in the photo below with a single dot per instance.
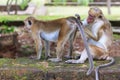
90 18
27 26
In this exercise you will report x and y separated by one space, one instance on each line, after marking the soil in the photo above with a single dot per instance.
26 46
25 68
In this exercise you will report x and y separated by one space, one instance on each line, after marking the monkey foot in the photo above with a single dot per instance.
55 60
74 61
67 57
33 57
78 57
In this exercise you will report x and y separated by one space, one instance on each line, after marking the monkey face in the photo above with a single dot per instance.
90 18
28 23
94 11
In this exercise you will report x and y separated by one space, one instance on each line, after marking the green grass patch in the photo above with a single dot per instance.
23 17
116 36
23 63
12 17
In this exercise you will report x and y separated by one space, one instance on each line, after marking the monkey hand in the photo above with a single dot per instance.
87 31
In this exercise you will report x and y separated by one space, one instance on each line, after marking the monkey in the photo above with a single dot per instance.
58 30
99 37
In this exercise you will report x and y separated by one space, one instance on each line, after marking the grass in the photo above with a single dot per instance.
51 17
116 36
22 63
23 17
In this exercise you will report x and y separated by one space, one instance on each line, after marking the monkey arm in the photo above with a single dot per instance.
38 44
95 31
89 33
84 22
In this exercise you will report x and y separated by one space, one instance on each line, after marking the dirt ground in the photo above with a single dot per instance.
26 46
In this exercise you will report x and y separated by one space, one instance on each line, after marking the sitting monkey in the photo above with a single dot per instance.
99 34
100 37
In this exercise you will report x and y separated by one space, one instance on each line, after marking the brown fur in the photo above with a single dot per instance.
106 28
98 51
64 25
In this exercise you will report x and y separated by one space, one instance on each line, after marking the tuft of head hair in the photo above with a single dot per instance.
30 18
95 11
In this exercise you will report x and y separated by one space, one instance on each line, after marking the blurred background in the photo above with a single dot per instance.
57 8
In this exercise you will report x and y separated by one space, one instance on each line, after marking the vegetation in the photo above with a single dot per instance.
23 17
24 4
81 2
116 36
62 1
5 29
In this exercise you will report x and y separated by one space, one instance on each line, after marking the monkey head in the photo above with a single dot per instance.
29 22
94 13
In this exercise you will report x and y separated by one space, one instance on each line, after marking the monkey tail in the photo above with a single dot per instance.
78 16
112 61
90 58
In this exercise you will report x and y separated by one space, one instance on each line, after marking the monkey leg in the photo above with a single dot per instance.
69 54
71 38
60 46
70 50
47 49
64 35
38 48
59 49
82 59
95 51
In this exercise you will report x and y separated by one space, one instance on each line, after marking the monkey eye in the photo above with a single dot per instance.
30 23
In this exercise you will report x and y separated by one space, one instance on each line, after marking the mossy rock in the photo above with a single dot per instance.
28 69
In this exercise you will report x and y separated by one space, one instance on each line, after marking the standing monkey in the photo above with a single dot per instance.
99 34
59 31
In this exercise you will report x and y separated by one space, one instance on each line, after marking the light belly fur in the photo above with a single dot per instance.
52 36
